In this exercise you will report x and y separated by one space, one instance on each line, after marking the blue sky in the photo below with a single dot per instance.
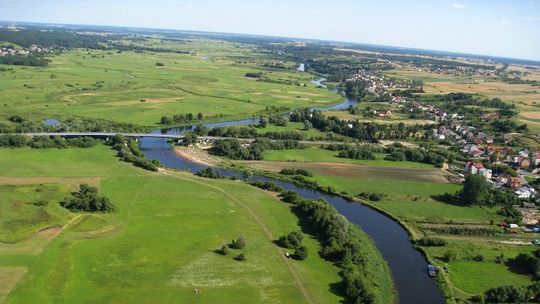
509 28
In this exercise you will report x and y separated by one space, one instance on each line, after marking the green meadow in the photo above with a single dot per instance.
159 246
130 87
322 155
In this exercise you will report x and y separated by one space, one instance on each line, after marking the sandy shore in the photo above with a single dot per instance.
197 155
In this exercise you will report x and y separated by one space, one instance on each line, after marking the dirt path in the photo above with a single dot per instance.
260 223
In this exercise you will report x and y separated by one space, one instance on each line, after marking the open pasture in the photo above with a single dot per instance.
163 245
133 88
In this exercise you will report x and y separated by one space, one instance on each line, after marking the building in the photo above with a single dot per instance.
515 182
486 173
525 192
473 167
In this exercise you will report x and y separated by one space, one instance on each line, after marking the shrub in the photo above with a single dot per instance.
449 255
292 240
238 243
300 253
208 173
224 250
240 257
431 241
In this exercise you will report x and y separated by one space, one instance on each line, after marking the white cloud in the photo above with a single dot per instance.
531 18
505 22
458 5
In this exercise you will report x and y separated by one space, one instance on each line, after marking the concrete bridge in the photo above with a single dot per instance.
110 135
175 137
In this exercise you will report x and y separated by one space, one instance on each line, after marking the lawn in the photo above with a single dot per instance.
129 87
163 243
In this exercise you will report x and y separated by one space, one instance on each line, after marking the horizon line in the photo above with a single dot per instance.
450 53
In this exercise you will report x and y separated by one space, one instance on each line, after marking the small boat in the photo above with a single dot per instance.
432 272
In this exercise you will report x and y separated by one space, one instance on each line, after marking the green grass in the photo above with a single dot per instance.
322 155
89 223
163 243
477 277
20 218
186 84
293 126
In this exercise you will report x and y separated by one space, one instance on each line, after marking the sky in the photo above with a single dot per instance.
507 28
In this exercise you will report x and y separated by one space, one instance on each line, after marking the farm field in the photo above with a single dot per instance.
131 87
159 245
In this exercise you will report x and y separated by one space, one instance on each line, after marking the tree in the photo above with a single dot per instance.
263 121
247 174
166 120
200 116
475 190
87 199
307 125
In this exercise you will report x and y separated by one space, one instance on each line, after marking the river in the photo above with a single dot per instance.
408 265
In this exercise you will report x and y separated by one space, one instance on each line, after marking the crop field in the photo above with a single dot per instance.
159 246
130 87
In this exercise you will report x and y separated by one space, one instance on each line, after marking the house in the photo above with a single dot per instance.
486 173
536 158
515 182
439 136
488 139
522 162
526 192
473 167
507 138
503 178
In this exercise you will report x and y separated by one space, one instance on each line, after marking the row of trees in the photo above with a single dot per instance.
181 118
128 151
26 60
342 243
368 131
47 142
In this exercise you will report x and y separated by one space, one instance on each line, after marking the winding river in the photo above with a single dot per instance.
407 264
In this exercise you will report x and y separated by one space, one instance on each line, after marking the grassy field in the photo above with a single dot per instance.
26 209
159 246
322 155
129 87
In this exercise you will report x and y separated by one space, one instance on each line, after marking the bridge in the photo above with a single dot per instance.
176 137
110 135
